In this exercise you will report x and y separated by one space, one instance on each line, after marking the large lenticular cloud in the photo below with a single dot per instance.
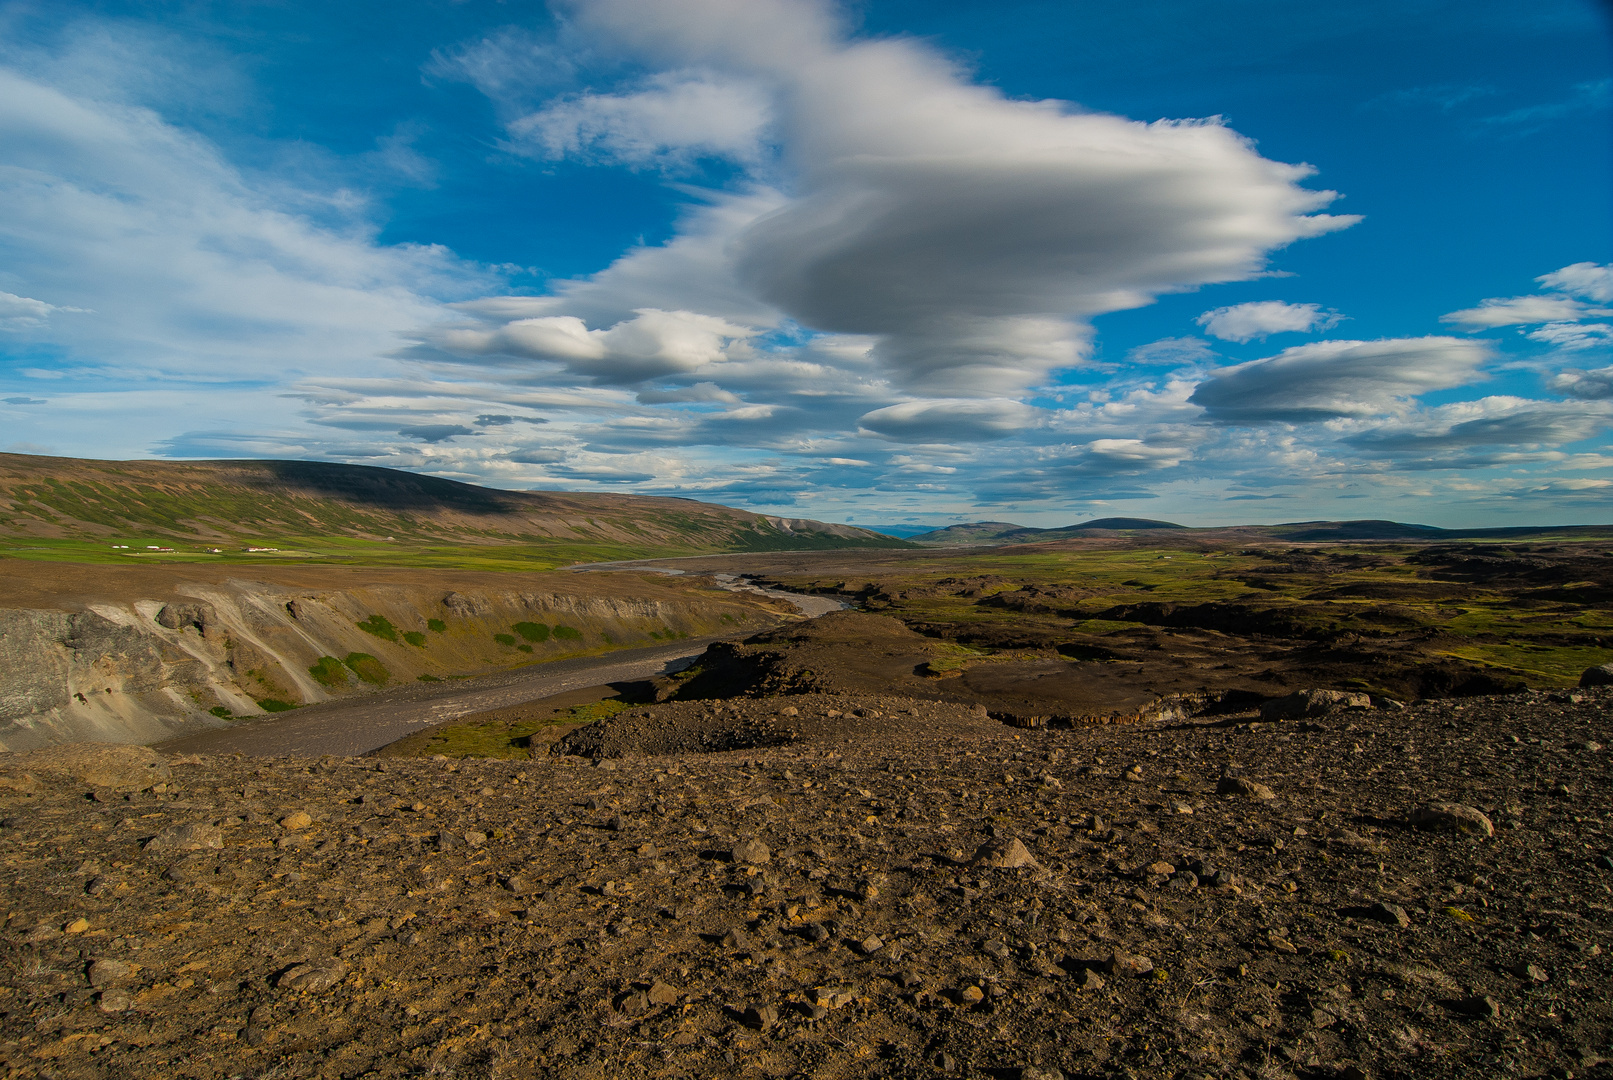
971 236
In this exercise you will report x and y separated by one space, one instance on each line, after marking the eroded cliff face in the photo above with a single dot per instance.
139 671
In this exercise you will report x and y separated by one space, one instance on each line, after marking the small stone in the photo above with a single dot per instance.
661 993
475 839
312 978
635 1004
114 1001
77 926
1124 963
946 1063
753 852
1393 914
1004 854
909 980
834 997
871 944
1533 972
103 972
761 1017
1090 980
192 837
1134 775
736 939
816 932
1237 785
1163 869
789 710
616 824
1280 943
1485 1008
1036 1072
971 995
1452 817
296 821
815 1012
995 949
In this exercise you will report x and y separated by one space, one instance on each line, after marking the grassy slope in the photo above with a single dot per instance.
74 510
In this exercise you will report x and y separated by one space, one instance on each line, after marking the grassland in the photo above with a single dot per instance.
1531 614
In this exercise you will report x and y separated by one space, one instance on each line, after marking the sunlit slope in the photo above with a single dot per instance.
73 508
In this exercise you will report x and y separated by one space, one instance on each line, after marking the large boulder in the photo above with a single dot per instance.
1307 703
1601 675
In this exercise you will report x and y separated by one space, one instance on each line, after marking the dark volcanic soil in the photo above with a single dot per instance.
833 905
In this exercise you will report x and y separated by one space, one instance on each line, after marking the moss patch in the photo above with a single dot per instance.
366 667
379 626
329 672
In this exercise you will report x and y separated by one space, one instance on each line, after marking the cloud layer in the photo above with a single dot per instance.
886 289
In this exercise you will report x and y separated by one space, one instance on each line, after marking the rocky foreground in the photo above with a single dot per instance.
901 889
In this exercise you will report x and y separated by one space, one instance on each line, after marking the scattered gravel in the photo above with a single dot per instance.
886 900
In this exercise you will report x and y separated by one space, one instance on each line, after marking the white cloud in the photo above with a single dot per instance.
1521 311
678 117
653 343
1260 319
191 269
1588 385
24 312
1329 379
1571 337
1584 279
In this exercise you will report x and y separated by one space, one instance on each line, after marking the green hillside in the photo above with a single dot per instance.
67 508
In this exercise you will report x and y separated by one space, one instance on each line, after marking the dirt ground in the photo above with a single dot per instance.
868 885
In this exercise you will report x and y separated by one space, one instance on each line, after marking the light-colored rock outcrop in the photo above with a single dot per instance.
145 670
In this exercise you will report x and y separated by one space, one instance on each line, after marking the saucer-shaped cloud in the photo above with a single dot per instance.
1262 318
971 234
949 421
1492 421
1331 379
1520 311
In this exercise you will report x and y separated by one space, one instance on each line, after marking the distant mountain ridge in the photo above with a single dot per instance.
1000 533
235 502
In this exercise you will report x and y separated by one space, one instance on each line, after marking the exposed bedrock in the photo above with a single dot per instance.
142 670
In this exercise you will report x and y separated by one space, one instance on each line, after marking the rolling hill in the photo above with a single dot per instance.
53 507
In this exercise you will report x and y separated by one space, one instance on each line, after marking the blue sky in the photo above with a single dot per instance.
890 262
